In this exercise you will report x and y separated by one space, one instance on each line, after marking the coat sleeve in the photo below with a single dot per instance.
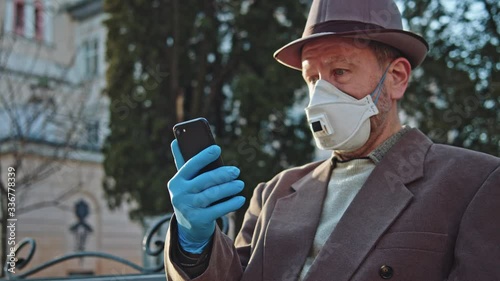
477 249
226 262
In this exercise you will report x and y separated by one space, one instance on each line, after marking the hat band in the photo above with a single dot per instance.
337 26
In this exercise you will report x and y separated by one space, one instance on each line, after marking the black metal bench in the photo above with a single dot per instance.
155 273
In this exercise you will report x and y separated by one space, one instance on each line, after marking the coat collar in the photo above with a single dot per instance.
319 176
380 201
293 224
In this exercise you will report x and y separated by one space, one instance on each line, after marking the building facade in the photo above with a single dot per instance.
53 122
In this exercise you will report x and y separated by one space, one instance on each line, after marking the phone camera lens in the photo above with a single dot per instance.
178 132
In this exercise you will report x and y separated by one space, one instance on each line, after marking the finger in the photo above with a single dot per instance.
218 192
199 161
225 207
178 159
215 177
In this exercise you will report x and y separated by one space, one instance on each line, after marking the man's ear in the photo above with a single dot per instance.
399 76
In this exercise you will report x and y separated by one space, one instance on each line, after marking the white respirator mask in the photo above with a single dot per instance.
337 120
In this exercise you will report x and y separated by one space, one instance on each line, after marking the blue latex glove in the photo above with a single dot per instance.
192 195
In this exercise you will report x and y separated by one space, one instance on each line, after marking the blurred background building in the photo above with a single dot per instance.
53 121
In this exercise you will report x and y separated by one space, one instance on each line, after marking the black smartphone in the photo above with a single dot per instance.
193 136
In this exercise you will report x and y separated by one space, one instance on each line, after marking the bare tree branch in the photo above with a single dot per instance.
50 203
45 121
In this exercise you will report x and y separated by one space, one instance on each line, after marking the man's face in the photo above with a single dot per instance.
352 68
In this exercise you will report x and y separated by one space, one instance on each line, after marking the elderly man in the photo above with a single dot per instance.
389 204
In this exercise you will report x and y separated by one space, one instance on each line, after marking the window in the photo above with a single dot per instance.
19 17
29 19
92 133
38 20
91 53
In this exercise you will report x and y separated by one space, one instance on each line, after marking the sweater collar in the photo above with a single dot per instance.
378 153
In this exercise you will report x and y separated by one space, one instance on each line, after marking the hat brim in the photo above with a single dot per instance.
412 46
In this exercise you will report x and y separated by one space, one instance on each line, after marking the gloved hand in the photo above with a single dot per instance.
192 194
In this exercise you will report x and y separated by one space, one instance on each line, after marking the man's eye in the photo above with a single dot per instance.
339 72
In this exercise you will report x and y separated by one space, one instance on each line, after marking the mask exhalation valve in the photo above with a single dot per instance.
320 126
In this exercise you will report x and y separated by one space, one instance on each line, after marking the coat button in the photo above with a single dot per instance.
385 271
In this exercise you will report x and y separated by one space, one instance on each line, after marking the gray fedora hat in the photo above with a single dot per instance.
377 20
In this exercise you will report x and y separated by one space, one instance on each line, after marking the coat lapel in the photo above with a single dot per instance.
293 224
379 202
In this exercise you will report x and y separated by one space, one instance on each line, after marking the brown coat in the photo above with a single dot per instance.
427 212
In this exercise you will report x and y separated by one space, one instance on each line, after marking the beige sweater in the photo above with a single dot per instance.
346 180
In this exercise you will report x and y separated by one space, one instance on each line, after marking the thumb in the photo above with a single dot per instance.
178 159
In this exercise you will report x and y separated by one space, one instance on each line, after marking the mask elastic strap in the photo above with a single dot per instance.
378 89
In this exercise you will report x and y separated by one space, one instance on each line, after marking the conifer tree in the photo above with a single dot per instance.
172 60
455 94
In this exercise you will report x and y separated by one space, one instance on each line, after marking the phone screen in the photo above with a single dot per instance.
193 136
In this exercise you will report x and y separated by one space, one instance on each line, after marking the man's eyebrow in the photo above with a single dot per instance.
338 58
330 59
